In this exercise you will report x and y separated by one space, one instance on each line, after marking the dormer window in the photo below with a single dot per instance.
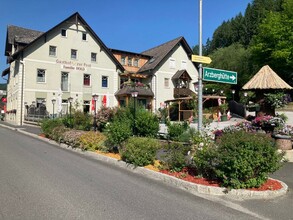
63 33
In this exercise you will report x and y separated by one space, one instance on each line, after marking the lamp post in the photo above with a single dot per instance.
245 100
53 102
233 93
134 95
95 98
70 99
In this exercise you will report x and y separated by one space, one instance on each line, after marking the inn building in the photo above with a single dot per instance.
71 61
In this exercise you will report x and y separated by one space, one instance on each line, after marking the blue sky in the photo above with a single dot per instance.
132 25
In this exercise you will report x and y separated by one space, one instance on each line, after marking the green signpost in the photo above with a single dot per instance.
221 76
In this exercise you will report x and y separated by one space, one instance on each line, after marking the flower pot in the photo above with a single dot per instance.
283 142
224 118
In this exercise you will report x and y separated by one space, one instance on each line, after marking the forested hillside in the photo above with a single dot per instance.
262 36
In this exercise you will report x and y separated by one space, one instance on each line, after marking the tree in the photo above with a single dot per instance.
234 58
273 45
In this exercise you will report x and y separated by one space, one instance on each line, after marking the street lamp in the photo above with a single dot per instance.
95 98
222 92
53 102
245 95
134 95
233 92
70 99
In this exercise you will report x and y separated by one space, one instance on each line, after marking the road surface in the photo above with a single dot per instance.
41 181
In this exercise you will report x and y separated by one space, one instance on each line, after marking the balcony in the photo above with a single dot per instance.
143 90
182 92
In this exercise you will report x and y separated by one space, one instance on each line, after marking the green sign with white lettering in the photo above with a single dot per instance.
221 76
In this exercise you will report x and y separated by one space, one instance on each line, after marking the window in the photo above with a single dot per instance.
64 106
63 33
104 81
86 79
135 62
172 63
64 81
52 51
129 61
41 74
39 102
84 36
86 106
93 57
123 62
183 65
73 54
166 82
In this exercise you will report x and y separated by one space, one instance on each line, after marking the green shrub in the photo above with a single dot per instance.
81 121
175 130
242 160
117 132
175 158
58 133
205 161
47 126
92 141
139 151
147 124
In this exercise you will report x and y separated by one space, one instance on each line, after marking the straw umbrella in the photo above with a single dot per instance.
266 81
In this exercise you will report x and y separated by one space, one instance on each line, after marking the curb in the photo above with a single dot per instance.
192 188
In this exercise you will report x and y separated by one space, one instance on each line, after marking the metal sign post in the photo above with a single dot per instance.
200 70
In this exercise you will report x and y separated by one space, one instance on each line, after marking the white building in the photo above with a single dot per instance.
70 60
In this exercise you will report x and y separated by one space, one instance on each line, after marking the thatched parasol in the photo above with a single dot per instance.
266 78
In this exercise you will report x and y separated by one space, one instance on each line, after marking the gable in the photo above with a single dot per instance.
162 52
79 24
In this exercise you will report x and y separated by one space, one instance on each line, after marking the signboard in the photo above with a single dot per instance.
221 76
201 59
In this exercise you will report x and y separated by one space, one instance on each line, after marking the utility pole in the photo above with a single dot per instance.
200 70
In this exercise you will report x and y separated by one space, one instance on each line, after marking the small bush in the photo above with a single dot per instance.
175 130
71 137
117 132
147 124
105 115
175 158
81 121
48 125
139 151
92 141
242 160
58 133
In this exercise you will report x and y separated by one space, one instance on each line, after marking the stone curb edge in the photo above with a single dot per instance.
192 188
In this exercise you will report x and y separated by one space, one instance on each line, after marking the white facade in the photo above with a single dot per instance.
49 68
177 60
71 61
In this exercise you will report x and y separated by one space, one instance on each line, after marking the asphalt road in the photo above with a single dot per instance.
41 181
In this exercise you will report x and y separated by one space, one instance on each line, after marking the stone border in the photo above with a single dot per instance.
192 188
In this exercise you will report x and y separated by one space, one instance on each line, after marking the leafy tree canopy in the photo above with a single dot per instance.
273 45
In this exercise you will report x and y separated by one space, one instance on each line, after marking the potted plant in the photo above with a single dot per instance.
283 136
224 108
